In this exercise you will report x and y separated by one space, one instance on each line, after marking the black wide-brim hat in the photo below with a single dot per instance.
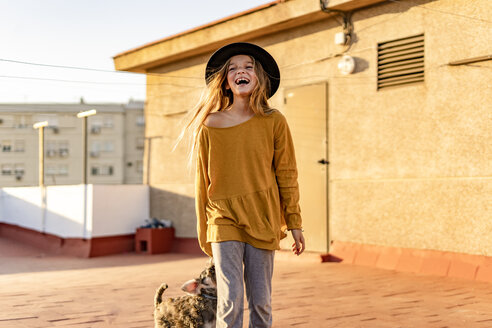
218 59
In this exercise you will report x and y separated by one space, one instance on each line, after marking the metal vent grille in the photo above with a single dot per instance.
401 61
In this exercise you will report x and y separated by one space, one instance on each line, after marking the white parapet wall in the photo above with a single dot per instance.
76 211
119 209
21 206
65 216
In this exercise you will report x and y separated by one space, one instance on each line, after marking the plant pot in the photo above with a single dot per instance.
154 240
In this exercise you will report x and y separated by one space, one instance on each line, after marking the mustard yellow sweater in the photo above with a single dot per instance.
246 183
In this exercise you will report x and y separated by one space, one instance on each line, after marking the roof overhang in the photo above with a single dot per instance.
269 18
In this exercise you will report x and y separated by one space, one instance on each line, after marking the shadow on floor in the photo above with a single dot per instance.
16 257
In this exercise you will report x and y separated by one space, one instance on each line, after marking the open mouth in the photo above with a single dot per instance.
241 81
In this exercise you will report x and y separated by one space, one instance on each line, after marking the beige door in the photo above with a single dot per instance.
306 112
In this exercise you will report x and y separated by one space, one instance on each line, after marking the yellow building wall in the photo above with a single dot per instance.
171 181
409 166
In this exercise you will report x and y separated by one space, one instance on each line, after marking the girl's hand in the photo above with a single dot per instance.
299 245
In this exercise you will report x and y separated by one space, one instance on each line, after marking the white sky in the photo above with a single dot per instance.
88 33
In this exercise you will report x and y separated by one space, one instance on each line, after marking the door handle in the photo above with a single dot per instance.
323 161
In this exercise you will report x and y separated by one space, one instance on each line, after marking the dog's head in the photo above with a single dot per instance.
205 284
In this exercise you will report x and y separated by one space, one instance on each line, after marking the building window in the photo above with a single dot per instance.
63 169
19 169
53 169
96 128
6 169
96 146
95 149
107 170
19 146
63 148
108 146
22 122
140 142
95 170
108 121
139 166
102 170
51 148
50 169
7 121
140 120
6 146
54 148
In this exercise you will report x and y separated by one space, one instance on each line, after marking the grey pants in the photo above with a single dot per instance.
229 257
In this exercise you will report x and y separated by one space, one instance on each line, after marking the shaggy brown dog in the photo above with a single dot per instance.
195 310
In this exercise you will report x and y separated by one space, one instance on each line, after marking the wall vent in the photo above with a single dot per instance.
401 61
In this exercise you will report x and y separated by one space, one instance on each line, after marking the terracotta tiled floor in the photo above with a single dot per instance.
39 290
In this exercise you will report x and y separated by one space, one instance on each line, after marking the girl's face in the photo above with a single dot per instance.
241 76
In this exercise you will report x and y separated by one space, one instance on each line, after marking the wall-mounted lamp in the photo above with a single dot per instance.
346 65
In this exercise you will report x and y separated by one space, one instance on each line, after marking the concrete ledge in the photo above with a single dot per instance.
78 247
187 246
94 247
101 246
419 261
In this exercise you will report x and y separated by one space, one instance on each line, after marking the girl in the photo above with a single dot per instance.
246 180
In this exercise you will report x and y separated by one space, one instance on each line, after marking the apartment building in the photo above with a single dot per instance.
115 143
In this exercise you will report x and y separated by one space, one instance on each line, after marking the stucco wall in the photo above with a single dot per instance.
409 166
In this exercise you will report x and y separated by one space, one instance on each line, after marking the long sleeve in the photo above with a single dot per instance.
201 191
284 162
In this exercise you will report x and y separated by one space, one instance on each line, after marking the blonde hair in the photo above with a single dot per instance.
216 98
